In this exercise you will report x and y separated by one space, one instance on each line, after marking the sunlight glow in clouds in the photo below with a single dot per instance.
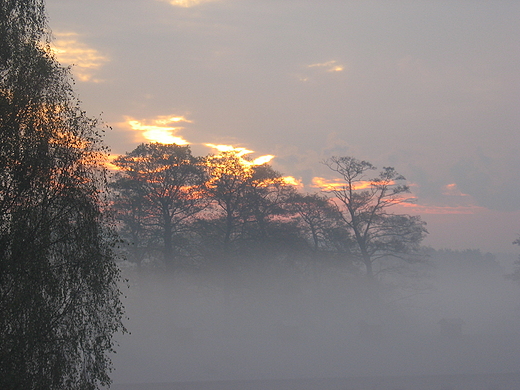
292 181
452 190
85 60
187 3
453 202
108 163
248 164
240 152
330 66
335 184
228 148
158 130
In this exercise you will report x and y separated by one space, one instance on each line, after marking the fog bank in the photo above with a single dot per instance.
454 316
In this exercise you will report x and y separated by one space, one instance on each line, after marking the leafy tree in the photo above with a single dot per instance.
59 300
365 205
158 192
265 206
246 198
229 176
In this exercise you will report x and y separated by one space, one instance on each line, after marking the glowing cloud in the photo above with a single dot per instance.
158 131
330 66
326 184
108 163
240 152
292 181
336 184
452 190
84 59
228 148
187 3
164 120
262 160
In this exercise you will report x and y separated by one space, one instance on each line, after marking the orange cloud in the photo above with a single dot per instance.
452 190
108 163
240 152
157 129
336 184
330 66
292 181
229 148
85 61
262 159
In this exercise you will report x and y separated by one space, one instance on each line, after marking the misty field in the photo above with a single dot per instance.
434 382
274 329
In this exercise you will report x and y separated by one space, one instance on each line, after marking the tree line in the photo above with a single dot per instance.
177 210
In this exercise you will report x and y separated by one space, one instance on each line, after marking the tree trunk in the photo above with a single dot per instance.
167 238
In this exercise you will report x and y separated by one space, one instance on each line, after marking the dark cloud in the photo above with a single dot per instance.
493 181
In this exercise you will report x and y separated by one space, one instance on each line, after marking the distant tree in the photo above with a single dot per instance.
157 192
59 300
365 204
324 241
515 275
318 217
468 260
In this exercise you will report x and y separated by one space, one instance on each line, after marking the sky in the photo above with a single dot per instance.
431 88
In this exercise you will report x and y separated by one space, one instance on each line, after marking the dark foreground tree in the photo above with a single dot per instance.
365 204
59 300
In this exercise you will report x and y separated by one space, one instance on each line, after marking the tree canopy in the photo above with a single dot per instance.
157 191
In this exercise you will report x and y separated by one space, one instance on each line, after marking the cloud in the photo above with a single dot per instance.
240 152
452 190
291 180
85 61
437 209
332 66
229 148
336 184
335 145
187 3
109 162
489 178
163 129
159 129
329 66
